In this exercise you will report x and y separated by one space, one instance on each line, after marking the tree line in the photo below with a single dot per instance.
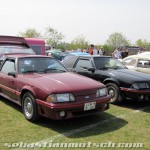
56 39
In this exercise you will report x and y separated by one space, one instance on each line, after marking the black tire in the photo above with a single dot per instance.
29 107
114 92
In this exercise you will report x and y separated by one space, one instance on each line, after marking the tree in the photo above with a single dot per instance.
117 39
53 37
107 49
63 46
79 42
139 43
30 33
143 43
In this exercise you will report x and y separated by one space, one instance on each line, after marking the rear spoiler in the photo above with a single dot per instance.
12 40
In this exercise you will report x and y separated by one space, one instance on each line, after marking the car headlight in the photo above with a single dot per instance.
101 92
140 86
60 98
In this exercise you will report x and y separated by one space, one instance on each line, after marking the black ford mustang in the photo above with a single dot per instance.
121 82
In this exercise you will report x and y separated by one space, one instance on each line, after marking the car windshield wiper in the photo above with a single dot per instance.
30 71
52 69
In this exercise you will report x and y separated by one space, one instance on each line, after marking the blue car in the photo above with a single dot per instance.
72 54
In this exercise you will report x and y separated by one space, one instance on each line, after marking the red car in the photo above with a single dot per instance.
43 87
13 45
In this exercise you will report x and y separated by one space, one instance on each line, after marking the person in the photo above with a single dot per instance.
95 51
140 50
91 49
84 50
103 51
78 50
124 53
100 51
117 53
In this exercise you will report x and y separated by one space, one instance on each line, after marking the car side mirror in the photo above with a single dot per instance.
13 74
92 70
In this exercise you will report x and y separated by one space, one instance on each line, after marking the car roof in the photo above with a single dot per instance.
138 56
25 56
95 56
13 40
145 53
79 54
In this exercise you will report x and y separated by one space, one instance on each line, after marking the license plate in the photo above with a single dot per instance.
89 106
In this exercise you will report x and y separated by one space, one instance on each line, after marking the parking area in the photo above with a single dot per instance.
129 121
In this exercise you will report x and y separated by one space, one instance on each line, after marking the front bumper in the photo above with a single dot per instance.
134 94
71 109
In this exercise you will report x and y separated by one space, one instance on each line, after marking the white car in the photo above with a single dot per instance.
139 63
145 53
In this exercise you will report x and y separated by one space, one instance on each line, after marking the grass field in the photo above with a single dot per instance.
128 122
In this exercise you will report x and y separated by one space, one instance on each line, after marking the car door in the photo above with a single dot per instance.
82 67
7 82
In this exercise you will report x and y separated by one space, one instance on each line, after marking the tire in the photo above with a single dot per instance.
29 107
114 92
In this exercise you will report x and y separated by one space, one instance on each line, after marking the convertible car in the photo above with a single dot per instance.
121 82
43 87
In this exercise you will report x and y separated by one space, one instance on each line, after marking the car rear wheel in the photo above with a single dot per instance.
29 107
114 92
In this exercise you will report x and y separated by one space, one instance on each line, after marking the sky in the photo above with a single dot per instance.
96 20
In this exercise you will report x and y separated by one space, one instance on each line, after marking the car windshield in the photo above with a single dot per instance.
108 63
15 49
39 65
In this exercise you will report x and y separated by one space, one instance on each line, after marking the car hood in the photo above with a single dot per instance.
63 82
129 76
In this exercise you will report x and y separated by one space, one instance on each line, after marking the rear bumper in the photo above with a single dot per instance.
71 109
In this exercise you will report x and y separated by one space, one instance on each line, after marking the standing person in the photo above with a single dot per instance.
117 53
140 50
124 53
95 51
84 50
103 51
91 49
100 51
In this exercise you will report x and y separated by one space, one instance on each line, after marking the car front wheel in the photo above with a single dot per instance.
114 92
29 107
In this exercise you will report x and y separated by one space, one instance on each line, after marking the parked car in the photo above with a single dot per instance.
43 87
72 54
145 53
13 45
56 53
139 63
121 82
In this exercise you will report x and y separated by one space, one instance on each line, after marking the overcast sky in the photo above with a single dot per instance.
94 19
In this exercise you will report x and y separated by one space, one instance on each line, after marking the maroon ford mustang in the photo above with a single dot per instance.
43 87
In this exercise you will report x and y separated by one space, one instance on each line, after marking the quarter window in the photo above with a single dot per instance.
84 63
9 66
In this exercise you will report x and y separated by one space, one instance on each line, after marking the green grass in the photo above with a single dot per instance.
123 125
